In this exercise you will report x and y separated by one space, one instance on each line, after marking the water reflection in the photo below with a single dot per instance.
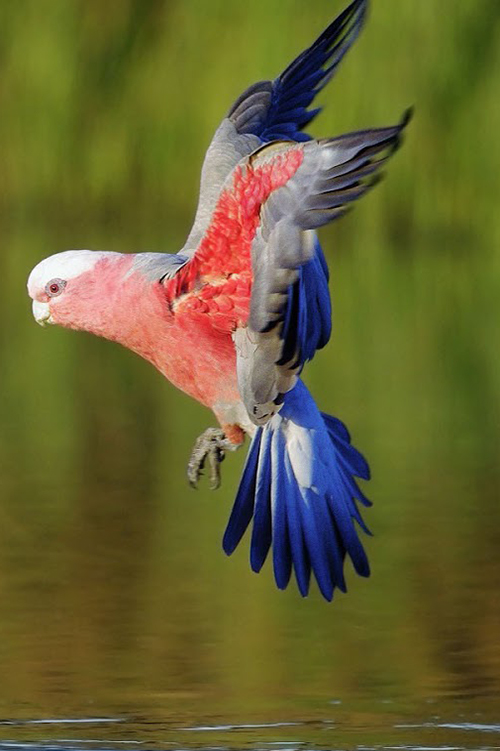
104 733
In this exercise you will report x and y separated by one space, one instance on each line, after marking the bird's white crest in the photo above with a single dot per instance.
66 265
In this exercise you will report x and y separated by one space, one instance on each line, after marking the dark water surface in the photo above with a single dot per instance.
344 729
124 626
122 623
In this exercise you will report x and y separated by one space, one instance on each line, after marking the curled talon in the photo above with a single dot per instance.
212 444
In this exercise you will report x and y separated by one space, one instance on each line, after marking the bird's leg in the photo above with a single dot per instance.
212 444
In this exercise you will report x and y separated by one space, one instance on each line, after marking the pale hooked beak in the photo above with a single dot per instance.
41 312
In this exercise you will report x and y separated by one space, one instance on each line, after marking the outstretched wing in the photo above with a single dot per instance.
273 110
285 325
259 272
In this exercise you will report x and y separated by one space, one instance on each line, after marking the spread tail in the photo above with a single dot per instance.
298 486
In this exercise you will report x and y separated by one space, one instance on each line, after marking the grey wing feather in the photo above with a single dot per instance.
278 250
228 147
261 381
263 378
333 174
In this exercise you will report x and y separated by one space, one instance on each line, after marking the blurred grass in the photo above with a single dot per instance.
106 111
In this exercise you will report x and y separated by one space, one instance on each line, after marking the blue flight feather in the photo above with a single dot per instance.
307 316
279 109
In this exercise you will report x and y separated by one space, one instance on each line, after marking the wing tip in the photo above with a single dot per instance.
408 115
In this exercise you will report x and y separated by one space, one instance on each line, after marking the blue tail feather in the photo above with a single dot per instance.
337 555
342 517
300 553
336 427
243 507
298 485
354 461
353 508
353 487
341 439
282 553
313 525
262 525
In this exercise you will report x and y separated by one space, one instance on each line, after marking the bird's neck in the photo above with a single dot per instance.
119 304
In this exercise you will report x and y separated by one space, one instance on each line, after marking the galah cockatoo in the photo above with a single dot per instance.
233 317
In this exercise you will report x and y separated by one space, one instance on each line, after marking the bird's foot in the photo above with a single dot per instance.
211 445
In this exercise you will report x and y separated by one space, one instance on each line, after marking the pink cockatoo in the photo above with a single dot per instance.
232 318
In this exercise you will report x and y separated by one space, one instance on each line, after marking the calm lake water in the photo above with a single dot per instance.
122 623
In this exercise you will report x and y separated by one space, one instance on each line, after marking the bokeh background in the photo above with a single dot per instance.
116 598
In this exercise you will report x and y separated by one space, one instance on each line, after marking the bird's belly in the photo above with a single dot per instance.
199 361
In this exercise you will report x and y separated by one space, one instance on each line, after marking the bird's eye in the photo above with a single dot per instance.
55 287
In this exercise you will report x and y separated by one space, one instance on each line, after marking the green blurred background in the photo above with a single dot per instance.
116 596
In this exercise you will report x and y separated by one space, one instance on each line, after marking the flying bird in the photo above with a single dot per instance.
232 318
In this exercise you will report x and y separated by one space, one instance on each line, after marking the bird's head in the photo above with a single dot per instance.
69 288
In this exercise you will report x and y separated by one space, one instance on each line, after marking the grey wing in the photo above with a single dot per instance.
288 288
227 148
273 110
